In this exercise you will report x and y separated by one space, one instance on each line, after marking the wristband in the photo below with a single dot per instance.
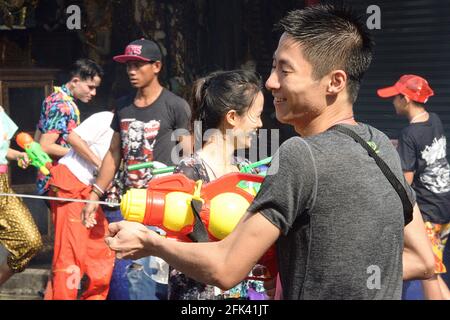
95 186
98 193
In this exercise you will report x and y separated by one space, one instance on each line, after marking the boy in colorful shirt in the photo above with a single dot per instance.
60 114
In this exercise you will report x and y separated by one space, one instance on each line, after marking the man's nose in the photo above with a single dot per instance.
272 82
131 69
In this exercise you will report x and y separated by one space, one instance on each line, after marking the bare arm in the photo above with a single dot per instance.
187 145
212 262
110 163
81 147
37 135
106 174
49 146
409 176
14 155
418 258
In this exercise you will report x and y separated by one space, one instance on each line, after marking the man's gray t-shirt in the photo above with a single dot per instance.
341 220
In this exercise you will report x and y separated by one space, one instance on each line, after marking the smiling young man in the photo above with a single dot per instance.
337 222
60 114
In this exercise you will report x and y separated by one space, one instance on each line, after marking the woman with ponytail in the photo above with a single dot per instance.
226 114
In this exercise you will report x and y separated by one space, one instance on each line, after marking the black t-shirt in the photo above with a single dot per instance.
422 149
149 133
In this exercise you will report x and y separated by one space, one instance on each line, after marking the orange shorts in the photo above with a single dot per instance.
438 235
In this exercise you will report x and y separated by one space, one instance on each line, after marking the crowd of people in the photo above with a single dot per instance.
350 215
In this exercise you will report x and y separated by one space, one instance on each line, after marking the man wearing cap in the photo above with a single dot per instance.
144 124
422 149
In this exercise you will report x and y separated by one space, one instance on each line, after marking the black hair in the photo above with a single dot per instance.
85 69
221 91
332 37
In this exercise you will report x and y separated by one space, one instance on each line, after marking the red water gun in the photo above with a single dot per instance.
190 211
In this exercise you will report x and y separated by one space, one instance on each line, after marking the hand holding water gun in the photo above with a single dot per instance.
36 155
249 169
23 161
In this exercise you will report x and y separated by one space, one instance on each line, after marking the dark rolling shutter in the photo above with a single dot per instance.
414 39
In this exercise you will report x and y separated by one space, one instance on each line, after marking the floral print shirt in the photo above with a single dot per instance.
59 115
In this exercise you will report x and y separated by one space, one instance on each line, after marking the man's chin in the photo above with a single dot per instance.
282 119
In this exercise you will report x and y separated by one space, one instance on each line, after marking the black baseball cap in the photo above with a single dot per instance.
140 50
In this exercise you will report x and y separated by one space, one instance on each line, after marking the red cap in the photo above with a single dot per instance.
414 87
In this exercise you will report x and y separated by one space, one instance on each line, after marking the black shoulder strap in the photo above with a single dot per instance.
396 184
199 232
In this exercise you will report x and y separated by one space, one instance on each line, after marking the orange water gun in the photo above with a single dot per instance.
37 156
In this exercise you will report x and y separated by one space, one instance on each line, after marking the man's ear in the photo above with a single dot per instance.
75 80
157 66
337 82
407 99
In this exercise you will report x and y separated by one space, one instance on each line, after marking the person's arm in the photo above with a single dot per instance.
182 121
53 123
209 262
81 147
284 195
108 169
49 146
406 149
186 145
14 155
418 258
431 288
37 135
409 176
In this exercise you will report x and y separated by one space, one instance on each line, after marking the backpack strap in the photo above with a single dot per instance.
396 184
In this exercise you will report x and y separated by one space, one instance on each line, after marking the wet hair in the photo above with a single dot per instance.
221 91
332 38
85 69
